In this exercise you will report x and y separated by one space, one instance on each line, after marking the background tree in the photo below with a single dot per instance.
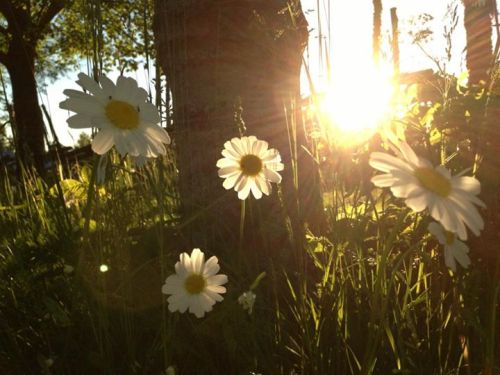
484 112
222 58
377 26
25 24
39 39
479 32
83 140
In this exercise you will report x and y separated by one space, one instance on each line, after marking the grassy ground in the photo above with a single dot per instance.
82 265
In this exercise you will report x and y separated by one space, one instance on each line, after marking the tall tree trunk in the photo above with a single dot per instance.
478 29
377 27
215 53
20 63
25 26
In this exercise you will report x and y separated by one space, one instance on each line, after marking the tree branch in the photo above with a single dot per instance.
3 59
17 18
6 10
49 13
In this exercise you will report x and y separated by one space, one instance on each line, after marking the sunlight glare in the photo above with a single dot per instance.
355 104
104 268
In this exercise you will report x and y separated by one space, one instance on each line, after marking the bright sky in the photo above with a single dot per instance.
351 46
351 25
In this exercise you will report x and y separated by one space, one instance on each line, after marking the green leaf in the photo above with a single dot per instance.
428 118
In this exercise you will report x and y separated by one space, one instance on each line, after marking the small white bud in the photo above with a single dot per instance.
247 300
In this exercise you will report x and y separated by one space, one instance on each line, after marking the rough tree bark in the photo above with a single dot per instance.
22 34
214 53
479 58
377 27
478 29
28 118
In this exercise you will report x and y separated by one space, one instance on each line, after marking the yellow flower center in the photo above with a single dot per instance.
433 181
122 114
195 283
450 237
251 165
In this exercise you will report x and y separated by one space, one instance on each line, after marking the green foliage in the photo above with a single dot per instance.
121 32
423 32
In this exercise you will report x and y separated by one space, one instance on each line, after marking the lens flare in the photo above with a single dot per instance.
354 106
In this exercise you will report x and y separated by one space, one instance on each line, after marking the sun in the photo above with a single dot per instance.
356 103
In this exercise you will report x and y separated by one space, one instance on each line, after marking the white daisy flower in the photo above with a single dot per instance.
449 199
454 249
120 112
247 300
195 285
249 165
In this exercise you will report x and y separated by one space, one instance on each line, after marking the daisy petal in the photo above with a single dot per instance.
449 259
211 267
90 85
230 181
107 85
272 176
78 121
460 251
257 193
216 280
228 171
103 141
